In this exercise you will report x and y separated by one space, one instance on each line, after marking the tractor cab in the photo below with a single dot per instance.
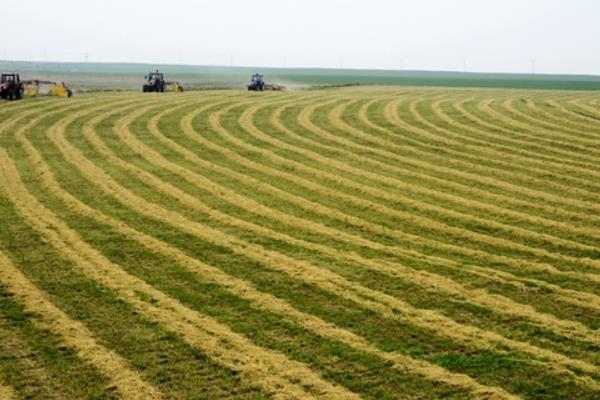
155 76
13 78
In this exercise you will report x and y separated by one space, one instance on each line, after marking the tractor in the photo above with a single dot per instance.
155 82
11 87
257 83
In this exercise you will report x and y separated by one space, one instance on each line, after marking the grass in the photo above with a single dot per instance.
368 242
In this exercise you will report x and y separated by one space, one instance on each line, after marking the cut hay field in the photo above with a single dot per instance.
372 242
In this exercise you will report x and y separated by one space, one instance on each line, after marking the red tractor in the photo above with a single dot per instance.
11 87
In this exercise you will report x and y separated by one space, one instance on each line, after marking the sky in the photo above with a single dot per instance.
544 36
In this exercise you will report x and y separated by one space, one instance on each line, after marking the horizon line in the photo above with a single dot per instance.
566 74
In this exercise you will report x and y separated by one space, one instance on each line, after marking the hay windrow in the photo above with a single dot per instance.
74 334
510 126
555 136
431 193
593 111
267 302
518 155
427 280
422 221
267 368
488 151
325 160
529 157
7 392
463 192
577 129
373 300
391 115
579 121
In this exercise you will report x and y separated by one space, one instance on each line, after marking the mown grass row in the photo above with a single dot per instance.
500 190
179 369
238 218
493 153
430 369
156 162
253 361
278 388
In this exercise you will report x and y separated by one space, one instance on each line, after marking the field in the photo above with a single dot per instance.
118 76
365 242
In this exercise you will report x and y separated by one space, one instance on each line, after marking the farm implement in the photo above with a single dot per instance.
35 87
155 82
13 88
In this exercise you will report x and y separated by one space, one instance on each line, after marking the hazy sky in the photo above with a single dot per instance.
503 35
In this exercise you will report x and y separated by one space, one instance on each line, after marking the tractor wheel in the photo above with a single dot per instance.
11 95
19 94
145 88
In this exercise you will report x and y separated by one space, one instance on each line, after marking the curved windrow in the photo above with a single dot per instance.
351 243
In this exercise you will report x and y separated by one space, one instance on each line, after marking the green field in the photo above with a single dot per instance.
115 76
364 242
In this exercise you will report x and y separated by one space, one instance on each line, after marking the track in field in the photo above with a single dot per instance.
350 243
